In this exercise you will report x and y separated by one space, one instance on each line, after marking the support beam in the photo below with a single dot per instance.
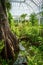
28 5
34 3
17 1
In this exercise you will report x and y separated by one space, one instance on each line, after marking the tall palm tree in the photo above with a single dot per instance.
11 47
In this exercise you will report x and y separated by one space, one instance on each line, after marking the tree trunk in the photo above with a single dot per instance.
11 47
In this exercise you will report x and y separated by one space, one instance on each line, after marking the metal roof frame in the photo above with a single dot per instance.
23 1
28 5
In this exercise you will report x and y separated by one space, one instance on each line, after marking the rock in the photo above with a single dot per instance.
21 61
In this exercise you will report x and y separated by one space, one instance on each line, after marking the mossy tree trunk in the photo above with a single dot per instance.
11 47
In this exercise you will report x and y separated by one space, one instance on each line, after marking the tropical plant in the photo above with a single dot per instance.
33 19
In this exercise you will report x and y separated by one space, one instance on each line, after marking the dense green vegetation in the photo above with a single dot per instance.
30 36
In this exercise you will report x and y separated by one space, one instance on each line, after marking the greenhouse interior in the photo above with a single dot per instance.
21 32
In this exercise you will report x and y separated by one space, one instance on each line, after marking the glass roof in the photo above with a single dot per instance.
25 6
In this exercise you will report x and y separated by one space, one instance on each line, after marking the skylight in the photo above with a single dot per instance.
25 6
